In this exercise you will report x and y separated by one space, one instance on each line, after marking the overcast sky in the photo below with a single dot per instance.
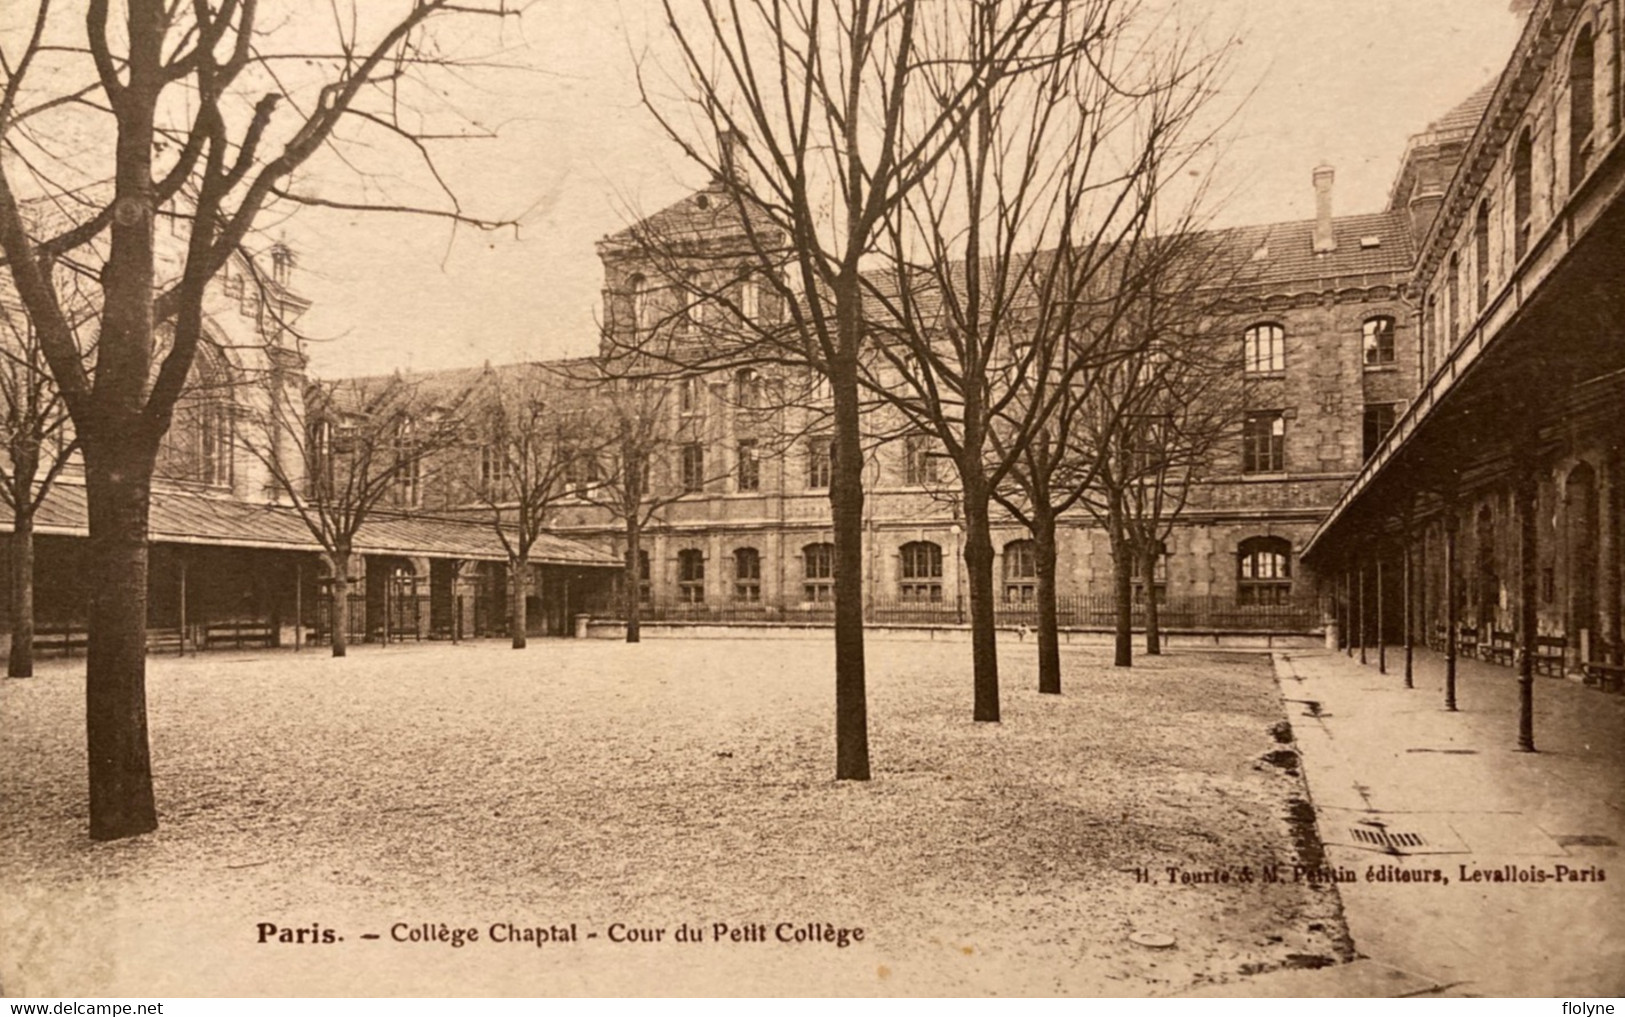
1337 81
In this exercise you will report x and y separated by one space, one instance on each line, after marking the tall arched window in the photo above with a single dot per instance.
1453 290
691 576
818 573
693 302
638 287
748 575
1020 572
1481 253
1523 193
1264 571
922 572
1263 349
1582 105
197 449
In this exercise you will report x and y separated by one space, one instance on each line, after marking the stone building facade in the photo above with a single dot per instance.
1493 510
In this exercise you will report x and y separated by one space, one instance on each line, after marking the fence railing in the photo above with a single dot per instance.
1090 611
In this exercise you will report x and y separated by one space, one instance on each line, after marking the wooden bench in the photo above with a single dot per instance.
1549 654
1502 647
164 641
239 634
1608 677
61 641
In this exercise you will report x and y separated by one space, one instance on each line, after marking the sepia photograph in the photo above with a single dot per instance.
805 498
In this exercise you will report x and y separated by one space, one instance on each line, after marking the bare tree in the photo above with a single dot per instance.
1066 153
199 113
361 447
530 448
1155 417
651 452
38 442
848 106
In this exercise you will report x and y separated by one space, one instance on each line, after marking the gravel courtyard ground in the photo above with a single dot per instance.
608 788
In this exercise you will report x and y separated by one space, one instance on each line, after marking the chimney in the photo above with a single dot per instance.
730 156
1325 240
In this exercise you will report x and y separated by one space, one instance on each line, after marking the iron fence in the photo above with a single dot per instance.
1088 611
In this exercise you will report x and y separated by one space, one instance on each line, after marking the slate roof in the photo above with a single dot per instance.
1466 114
182 517
707 214
1288 260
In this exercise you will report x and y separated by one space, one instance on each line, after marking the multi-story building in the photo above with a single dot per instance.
1493 508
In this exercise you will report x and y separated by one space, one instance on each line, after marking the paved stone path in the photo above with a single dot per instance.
1529 843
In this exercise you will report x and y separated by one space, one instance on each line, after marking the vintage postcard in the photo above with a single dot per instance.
807 497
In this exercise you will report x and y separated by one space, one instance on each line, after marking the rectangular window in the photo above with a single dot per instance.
691 576
495 470
818 573
693 467
1264 350
1263 442
919 460
750 468
1377 339
748 575
1379 420
820 454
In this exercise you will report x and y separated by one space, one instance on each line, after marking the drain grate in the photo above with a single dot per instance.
1585 840
1386 839
1448 752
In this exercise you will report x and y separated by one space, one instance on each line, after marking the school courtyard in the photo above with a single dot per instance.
622 793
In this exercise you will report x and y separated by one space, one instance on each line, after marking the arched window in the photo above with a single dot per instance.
693 302
750 295
1264 349
1377 339
1264 571
1582 105
1523 193
1481 253
818 573
642 311
1487 581
1020 572
748 575
691 576
1453 296
406 480
197 449
922 572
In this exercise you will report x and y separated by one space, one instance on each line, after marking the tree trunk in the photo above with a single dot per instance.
1049 636
983 631
518 608
846 504
1122 591
634 580
340 635
1527 494
1153 620
21 663
118 492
